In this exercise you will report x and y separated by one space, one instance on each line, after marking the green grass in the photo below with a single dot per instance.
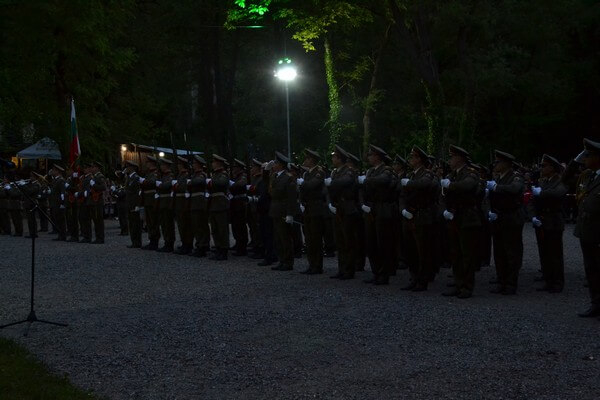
22 377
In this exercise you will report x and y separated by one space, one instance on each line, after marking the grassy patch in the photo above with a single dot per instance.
24 377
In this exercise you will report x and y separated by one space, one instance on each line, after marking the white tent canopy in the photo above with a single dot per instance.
44 148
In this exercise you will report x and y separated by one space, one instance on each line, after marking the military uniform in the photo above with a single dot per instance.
181 208
343 194
5 228
43 205
506 203
85 218
238 205
134 202
95 203
256 242
588 232
313 200
378 197
72 211
463 222
284 205
118 193
164 195
199 210
218 208
15 209
57 200
421 194
150 205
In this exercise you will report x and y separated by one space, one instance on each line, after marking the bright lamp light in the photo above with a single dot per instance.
123 148
285 70
161 154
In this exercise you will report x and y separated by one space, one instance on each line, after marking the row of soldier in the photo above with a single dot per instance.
397 213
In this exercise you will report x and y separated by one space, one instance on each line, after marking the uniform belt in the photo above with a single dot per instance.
240 196
215 194
164 195
196 194
179 194
149 191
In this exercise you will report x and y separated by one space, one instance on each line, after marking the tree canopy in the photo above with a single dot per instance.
483 74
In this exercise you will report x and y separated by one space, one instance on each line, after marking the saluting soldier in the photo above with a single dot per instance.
380 209
218 207
312 199
284 205
134 203
32 189
57 201
95 201
164 194
463 222
150 203
72 184
343 194
507 218
256 178
5 228
588 223
85 218
421 194
182 207
199 207
238 206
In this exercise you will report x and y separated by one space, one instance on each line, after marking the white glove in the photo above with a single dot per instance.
366 209
62 207
188 181
8 187
248 187
299 181
142 179
361 179
536 222
187 195
75 174
172 194
85 193
67 185
230 196
92 182
268 165
208 181
302 208
327 181
251 199
158 183
156 196
207 195
62 196
231 183
173 182
113 188
140 193
289 219
407 214
491 185
332 208
580 157
448 215
492 216
137 209
536 190
76 194
445 183
404 181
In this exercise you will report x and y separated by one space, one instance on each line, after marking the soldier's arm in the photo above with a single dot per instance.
291 203
558 191
99 184
516 187
383 179
426 181
314 181
468 184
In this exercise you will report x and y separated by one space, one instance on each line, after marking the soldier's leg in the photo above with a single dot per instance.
313 230
223 217
85 222
31 223
43 219
556 260
372 245
410 249
266 228
255 237
328 236
542 253
591 262
514 251
351 226
361 252
241 233
385 245
5 221
340 243
124 217
135 228
17 219
169 227
204 231
469 257
153 225
499 254
99 222
75 221
456 260
62 224
425 249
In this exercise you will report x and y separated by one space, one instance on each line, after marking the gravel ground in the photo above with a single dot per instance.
153 326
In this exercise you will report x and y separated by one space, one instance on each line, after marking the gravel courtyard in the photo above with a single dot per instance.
145 325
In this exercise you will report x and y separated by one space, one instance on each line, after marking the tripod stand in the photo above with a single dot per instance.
32 317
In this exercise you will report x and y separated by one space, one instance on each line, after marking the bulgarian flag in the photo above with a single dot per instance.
74 150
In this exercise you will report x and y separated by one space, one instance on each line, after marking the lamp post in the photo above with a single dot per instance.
286 72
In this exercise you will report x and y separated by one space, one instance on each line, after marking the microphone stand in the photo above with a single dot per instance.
32 317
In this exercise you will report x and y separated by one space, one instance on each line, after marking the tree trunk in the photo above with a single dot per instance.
335 105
